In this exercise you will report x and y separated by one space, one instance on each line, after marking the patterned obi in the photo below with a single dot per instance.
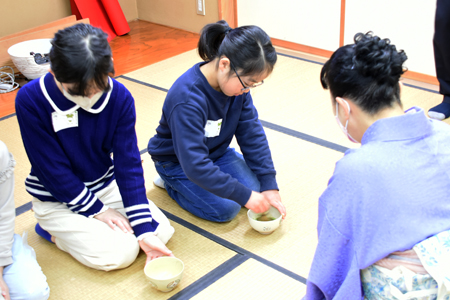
422 273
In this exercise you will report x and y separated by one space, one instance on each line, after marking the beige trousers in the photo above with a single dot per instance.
91 241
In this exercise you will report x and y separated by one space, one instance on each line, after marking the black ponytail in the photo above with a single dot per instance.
248 47
367 72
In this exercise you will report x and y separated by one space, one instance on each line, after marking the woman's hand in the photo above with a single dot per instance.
154 248
258 203
114 218
3 287
275 200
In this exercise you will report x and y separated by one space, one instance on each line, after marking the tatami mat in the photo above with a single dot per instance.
253 280
243 263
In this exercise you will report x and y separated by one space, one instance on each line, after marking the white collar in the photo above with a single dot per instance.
74 108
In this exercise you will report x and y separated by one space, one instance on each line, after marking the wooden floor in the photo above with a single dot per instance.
147 43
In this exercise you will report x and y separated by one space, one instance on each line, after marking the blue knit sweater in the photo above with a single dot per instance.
180 136
69 163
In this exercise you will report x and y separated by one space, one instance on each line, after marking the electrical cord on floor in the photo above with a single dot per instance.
7 83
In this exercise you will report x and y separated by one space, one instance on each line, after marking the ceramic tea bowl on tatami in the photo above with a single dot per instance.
266 222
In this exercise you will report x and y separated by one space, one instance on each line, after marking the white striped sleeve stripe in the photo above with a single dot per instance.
87 206
98 186
34 184
37 192
32 181
104 175
140 221
139 214
88 198
79 197
136 207
31 177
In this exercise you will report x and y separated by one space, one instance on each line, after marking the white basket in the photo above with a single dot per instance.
24 62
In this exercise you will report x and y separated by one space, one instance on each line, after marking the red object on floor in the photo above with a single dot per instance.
105 14
116 16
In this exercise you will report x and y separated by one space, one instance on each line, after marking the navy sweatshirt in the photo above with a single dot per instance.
69 163
180 136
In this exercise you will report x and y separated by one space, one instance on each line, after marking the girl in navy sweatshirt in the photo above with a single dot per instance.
204 109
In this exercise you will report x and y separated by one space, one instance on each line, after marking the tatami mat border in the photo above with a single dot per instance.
299 58
208 279
143 83
421 88
23 208
232 246
320 63
7 117
304 136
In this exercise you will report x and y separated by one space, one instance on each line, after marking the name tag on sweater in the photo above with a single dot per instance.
61 122
212 128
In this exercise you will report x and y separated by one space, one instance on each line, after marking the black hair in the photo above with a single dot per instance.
80 54
247 47
367 73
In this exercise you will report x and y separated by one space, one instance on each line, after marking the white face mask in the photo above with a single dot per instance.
85 102
344 129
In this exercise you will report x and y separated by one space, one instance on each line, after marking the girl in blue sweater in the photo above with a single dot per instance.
71 120
204 109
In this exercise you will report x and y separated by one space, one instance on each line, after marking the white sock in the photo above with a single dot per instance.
159 182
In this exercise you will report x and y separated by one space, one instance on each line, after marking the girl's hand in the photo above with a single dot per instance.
114 218
154 248
4 290
258 203
275 200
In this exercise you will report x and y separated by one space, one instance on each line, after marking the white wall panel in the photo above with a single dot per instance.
409 24
306 22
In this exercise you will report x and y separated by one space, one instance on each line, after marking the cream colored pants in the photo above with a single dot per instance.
91 241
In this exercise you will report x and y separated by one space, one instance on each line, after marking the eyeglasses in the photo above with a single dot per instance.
246 88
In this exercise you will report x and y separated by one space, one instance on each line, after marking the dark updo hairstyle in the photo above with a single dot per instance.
81 55
248 47
366 72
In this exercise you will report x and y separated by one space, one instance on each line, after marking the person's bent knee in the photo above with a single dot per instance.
165 232
225 214
122 256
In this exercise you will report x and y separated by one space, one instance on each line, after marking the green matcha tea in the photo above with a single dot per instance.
265 218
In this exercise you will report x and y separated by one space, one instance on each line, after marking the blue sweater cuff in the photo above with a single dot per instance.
95 208
145 227
268 182
241 194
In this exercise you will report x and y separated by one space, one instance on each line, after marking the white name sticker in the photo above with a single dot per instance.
212 128
61 122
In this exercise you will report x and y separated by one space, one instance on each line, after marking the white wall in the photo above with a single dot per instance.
307 22
409 24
